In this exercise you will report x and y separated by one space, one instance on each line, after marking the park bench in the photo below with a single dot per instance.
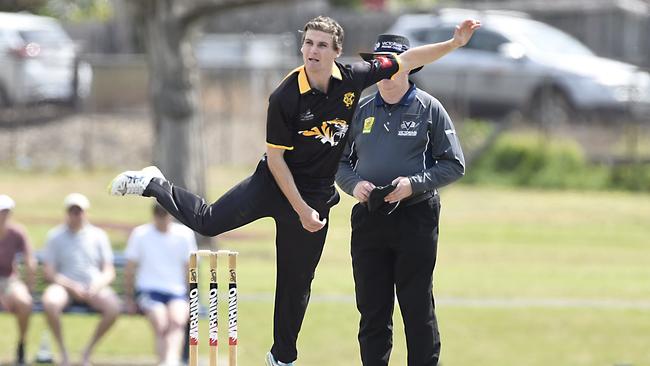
119 262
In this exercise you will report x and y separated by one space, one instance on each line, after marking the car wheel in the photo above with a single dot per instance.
550 106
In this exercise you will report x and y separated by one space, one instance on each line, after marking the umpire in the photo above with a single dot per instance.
402 147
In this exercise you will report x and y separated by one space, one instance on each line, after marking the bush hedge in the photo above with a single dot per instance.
534 160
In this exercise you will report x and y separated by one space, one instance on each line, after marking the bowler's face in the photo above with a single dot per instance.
318 52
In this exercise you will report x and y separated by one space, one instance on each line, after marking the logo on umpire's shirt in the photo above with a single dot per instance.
348 99
408 128
367 124
329 132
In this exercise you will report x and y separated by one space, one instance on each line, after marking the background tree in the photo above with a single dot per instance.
346 3
79 10
32 6
169 26
74 10
416 4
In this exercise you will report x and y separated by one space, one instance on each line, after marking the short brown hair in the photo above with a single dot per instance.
159 210
327 25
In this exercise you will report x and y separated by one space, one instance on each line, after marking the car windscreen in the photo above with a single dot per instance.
51 37
547 39
438 34
483 40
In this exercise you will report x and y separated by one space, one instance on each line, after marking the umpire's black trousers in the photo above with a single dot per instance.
297 250
396 253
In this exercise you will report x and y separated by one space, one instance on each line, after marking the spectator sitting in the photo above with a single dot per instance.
157 256
14 294
78 262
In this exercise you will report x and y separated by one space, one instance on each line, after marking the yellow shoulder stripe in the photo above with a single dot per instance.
336 73
297 69
280 146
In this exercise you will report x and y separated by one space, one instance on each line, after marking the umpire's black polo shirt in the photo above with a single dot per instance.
312 125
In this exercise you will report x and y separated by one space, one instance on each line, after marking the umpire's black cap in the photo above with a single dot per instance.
389 44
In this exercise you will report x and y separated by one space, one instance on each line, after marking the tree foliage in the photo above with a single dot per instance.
414 4
78 10
168 28
32 6
346 3
72 10
389 4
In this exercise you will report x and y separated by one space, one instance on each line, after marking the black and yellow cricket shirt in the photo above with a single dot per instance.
312 125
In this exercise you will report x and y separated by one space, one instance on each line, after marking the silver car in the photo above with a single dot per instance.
515 63
39 62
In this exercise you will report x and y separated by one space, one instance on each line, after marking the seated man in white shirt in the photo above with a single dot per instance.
157 258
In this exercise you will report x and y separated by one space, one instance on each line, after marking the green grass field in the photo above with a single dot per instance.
523 277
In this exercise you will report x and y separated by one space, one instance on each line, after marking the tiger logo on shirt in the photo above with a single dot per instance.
329 132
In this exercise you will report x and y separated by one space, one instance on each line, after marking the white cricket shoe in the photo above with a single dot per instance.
133 181
270 361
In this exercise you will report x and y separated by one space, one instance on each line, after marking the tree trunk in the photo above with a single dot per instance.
174 91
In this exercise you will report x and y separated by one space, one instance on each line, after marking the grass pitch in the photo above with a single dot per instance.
523 277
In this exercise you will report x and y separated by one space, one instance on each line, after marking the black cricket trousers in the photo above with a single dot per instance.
391 254
297 250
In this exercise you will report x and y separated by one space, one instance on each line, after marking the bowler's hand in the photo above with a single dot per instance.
464 32
310 219
362 191
403 190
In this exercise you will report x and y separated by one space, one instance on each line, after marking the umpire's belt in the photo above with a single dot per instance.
419 198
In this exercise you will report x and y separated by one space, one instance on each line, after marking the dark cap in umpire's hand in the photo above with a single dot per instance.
389 44
376 201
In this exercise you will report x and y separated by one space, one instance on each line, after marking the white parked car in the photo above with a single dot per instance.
39 62
516 63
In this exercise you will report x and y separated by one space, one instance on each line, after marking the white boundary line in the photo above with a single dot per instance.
495 303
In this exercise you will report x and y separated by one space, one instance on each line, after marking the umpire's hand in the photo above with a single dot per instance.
362 191
402 191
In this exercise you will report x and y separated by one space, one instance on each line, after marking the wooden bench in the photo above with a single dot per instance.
119 262
118 285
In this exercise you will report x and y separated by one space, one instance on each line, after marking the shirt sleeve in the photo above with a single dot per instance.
381 67
278 130
105 247
346 177
49 253
132 252
448 160
23 241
